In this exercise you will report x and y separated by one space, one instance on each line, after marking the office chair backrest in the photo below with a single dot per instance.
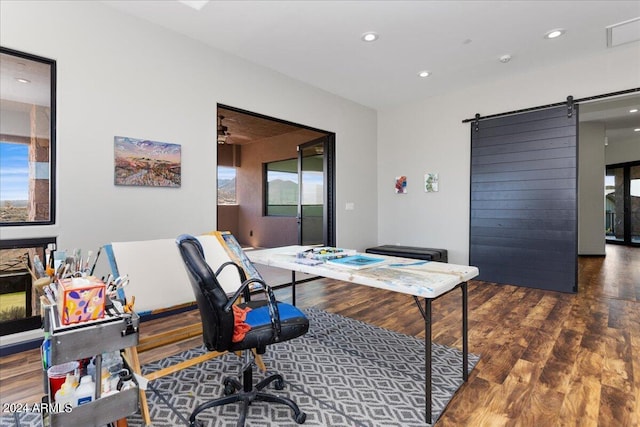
217 325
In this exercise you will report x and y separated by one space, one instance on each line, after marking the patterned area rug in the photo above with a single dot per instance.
343 372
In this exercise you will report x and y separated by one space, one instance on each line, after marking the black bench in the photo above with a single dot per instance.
428 254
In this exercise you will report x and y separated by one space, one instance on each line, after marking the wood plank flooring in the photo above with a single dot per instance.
547 359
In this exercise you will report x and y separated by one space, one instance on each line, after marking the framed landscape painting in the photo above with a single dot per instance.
146 163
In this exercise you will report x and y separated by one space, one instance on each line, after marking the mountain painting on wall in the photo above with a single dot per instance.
147 163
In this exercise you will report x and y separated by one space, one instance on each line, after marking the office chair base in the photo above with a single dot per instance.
233 394
231 384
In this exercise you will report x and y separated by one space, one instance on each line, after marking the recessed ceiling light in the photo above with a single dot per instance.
505 58
633 110
424 73
554 33
369 36
23 80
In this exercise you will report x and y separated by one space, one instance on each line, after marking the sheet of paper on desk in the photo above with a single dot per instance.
356 261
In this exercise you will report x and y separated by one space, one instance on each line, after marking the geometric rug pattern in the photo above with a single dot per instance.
343 372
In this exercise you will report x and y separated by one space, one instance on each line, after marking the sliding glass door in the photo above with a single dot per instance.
634 203
311 208
622 203
614 204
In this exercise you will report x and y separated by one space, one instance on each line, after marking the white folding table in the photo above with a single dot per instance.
420 279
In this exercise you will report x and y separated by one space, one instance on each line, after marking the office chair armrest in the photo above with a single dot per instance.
241 290
243 277
272 303
274 312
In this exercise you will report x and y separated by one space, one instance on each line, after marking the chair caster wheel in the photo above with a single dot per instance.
229 389
301 418
229 386
196 423
278 384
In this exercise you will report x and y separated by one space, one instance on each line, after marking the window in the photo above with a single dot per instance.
227 185
27 139
282 190
19 291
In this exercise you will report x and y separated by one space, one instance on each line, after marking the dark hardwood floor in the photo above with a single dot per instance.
547 359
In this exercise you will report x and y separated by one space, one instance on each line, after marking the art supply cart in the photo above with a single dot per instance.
85 340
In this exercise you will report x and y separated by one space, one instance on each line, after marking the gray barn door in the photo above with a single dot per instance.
524 199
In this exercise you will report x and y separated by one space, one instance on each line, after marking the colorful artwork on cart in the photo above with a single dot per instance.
146 163
401 184
431 182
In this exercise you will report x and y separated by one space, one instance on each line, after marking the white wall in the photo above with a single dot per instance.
429 136
591 235
118 75
623 151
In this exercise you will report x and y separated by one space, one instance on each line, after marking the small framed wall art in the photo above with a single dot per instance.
401 184
430 182
141 162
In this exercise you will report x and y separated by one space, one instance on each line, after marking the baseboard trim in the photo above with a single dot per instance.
9 349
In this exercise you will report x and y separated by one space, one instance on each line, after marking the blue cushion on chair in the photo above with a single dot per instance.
260 316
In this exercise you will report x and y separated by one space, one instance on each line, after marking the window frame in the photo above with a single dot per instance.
265 183
52 138
235 190
34 321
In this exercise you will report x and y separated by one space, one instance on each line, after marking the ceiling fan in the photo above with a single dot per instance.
223 131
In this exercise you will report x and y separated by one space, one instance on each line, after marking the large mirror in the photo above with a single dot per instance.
27 139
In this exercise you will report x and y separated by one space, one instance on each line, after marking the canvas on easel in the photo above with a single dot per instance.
157 276
235 253
159 281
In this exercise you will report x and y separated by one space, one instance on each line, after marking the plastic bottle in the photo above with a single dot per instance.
91 369
85 392
112 361
108 381
66 394
111 366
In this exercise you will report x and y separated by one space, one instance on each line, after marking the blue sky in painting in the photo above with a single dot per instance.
14 171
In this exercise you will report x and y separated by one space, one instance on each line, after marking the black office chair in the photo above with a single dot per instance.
271 321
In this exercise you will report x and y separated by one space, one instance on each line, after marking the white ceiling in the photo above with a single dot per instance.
460 42
36 91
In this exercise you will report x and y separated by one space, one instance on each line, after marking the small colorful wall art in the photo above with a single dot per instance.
430 182
146 163
401 184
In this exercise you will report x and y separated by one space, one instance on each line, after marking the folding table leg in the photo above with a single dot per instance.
293 288
465 334
427 359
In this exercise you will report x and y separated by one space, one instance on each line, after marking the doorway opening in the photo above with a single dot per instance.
275 180
610 160
622 203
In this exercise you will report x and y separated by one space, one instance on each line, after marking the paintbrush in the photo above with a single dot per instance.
85 268
93 267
